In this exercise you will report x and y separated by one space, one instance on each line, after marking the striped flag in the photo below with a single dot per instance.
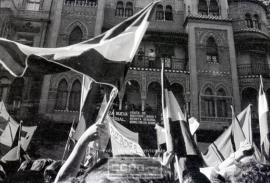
263 122
105 58
227 143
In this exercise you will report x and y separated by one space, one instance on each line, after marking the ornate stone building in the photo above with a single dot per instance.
214 52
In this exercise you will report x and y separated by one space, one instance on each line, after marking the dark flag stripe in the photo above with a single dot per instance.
104 58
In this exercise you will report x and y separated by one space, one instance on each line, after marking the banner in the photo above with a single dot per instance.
124 141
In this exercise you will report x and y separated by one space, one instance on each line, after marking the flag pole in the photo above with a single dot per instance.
68 140
19 140
168 135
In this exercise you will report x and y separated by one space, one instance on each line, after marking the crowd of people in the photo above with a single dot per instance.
240 166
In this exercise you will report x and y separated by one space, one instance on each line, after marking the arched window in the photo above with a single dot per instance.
257 24
202 7
129 9
75 96
62 95
132 97
248 20
213 8
168 13
75 36
222 108
211 50
159 12
119 9
91 2
208 103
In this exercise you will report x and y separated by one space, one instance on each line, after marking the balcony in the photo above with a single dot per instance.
253 69
254 29
29 14
155 63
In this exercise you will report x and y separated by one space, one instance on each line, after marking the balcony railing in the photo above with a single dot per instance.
81 3
241 25
155 63
253 69
29 14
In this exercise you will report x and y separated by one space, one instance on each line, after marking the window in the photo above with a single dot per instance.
69 1
211 51
62 95
168 13
202 7
33 5
75 96
129 9
159 12
222 104
257 24
75 36
119 9
208 103
213 8
248 21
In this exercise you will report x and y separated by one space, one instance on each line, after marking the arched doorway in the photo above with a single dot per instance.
249 96
16 94
132 97
153 100
178 92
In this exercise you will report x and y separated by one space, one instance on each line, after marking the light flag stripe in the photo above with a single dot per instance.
263 112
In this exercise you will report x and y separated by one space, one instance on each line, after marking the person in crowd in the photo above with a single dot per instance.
240 167
151 58
194 177
51 171
140 54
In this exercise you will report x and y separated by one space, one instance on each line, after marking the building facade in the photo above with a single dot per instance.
213 50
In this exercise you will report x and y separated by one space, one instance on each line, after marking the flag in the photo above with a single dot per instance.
263 123
161 139
193 125
123 141
227 143
245 122
183 143
105 58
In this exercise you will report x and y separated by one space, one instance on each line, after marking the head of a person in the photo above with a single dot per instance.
194 177
251 172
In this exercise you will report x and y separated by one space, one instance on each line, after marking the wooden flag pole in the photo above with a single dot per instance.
68 140
19 139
